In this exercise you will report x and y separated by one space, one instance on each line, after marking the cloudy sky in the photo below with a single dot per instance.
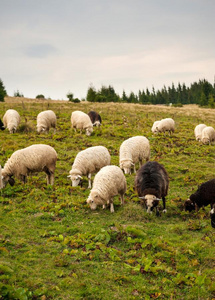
53 47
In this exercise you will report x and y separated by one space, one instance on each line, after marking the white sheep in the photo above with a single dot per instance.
11 120
167 124
131 151
35 158
46 120
80 120
108 182
198 131
208 135
87 162
154 127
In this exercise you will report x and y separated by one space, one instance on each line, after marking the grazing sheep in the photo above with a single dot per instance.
80 120
212 214
46 120
198 131
208 135
35 158
95 118
133 150
11 120
204 196
167 124
108 182
154 127
152 184
87 162
2 125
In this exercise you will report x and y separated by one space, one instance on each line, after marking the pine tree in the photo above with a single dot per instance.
91 94
3 92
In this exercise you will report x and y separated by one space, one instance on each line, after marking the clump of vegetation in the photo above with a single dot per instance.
71 98
17 93
40 96
3 92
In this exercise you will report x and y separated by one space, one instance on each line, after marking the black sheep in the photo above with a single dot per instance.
2 125
95 118
204 196
152 184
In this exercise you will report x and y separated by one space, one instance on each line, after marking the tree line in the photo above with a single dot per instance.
201 93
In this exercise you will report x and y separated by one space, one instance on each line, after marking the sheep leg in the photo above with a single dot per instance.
49 176
103 206
89 181
134 169
122 199
23 178
140 163
164 204
111 206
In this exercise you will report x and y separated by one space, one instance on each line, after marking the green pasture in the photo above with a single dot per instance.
52 246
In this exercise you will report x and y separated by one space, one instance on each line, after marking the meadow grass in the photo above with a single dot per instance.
53 246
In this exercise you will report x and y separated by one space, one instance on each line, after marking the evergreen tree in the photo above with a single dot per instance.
3 92
91 94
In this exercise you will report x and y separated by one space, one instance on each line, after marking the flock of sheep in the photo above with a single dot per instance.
151 181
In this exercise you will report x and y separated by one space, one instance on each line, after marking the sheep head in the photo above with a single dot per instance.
126 166
151 201
189 205
4 179
89 130
41 129
94 199
75 179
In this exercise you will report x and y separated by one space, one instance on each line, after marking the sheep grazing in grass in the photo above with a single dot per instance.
198 131
204 196
46 120
131 151
88 162
212 214
208 135
35 158
11 120
108 182
81 121
152 184
95 118
167 124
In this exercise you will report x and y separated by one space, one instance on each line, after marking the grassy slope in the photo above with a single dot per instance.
53 247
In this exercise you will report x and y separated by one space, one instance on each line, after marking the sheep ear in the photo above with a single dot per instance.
11 181
142 197
79 176
69 176
158 199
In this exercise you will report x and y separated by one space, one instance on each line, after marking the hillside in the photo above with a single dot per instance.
54 247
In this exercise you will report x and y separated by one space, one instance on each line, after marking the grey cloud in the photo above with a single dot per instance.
40 50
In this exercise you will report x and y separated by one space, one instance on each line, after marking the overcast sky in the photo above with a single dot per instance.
53 47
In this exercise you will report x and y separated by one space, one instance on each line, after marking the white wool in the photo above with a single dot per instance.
154 127
132 150
11 120
208 135
89 161
46 120
167 124
34 158
198 131
108 182
80 120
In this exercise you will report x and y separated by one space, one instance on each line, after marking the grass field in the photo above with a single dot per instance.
52 246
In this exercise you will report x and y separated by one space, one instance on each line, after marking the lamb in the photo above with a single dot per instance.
35 158
11 120
133 150
208 135
80 120
154 127
204 196
167 124
108 182
46 120
87 162
198 131
152 184
95 118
